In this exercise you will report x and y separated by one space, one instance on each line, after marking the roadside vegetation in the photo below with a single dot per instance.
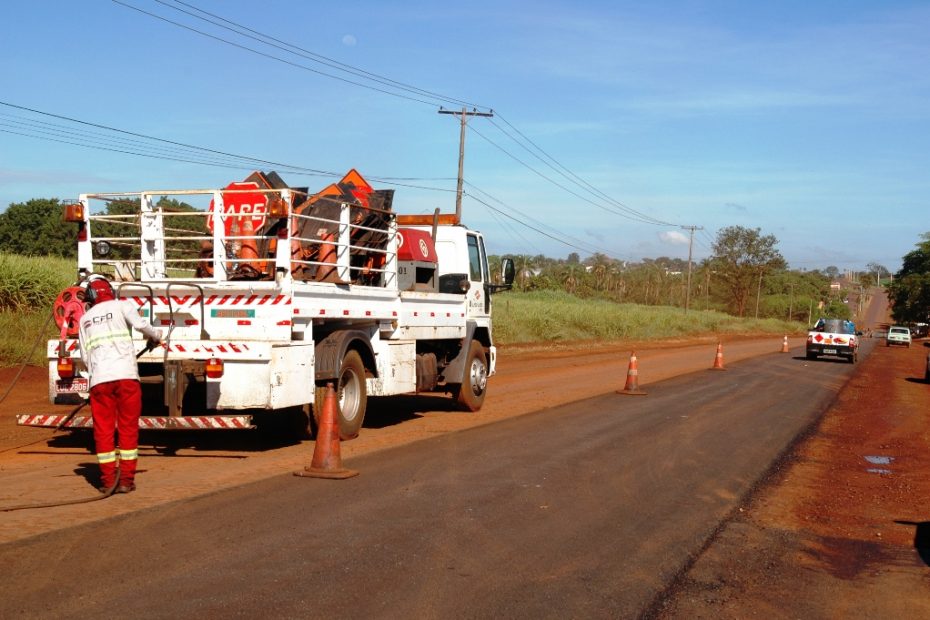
910 291
28 288
556 316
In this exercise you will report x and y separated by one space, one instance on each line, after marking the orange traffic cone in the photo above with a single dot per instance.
248 252
632 379
326 270
327 461
718 359
784 345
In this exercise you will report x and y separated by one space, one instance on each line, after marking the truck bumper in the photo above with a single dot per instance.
816 350
185 423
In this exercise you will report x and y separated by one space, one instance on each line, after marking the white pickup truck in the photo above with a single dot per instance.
834 337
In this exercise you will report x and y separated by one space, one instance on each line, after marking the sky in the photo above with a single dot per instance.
616 124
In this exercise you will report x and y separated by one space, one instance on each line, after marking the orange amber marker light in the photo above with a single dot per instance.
214 368
277 208
74 212
65 368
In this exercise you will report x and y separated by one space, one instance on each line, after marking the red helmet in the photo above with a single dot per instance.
99 289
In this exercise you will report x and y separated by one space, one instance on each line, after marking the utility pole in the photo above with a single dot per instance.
790 298
758 293
690 248
464 114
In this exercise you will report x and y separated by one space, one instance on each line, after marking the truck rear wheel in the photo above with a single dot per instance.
470 393
351 397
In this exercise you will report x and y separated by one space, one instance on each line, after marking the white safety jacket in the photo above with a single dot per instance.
106 340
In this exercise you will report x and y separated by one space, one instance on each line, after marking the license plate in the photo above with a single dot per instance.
829 351
71 386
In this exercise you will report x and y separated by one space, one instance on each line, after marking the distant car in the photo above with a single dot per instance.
835 337
918 330
898 335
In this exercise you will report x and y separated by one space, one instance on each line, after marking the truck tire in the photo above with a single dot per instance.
351 397
470 393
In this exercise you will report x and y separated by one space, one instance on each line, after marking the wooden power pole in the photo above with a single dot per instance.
464 114
690 248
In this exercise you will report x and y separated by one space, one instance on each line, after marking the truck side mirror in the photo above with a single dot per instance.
508 271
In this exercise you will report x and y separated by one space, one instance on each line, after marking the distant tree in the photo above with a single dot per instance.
910 291
917 261
740 257
832 272
880 270
35 228
573 258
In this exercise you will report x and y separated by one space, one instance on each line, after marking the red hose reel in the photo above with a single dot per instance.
68 309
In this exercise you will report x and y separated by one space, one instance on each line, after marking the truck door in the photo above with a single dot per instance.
479 298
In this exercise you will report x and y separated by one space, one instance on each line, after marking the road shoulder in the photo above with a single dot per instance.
842 529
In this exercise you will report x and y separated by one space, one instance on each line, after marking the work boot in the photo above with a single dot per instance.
126 487
106 486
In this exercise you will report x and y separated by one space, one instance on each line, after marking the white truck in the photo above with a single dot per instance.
833 337
268 293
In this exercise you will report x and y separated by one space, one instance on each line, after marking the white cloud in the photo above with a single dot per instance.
349 40
673 237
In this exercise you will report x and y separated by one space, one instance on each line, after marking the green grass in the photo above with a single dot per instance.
547 316
19 332
31 282
28 288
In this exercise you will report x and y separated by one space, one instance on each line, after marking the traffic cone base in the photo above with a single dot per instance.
327 459
338 474
784 345
632 379
718 358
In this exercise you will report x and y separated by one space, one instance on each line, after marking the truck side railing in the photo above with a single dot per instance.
159 236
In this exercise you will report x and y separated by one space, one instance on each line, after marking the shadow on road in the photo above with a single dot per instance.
273 430
821 360
921 538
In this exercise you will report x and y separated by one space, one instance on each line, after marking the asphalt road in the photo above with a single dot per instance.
587 510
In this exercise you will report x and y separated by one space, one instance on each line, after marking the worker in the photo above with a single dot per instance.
115 391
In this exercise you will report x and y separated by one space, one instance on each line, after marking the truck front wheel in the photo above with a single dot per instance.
351 397
470 393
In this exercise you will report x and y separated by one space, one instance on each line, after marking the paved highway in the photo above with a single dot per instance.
586 510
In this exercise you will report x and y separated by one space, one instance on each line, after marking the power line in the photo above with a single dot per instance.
414 94
313 56
552 181
558 236
545 158
282 60
174 151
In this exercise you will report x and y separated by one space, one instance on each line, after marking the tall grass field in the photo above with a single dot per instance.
547 316
29 286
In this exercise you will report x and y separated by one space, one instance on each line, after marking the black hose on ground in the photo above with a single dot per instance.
104 493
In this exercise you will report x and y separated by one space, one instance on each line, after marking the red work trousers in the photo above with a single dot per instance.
116 407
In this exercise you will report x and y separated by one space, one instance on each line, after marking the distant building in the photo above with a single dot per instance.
835 286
